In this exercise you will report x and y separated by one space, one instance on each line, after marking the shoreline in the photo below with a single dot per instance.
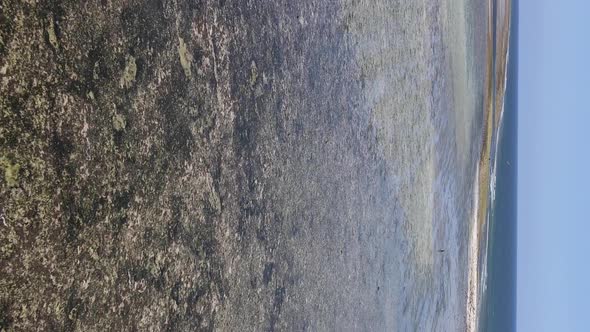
471 314
484 182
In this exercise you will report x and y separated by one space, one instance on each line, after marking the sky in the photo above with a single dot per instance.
553 166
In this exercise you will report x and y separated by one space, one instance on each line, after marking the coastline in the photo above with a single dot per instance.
495 87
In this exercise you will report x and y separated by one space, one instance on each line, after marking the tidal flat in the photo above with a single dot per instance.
239 165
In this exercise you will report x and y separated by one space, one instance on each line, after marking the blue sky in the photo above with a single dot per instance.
554 166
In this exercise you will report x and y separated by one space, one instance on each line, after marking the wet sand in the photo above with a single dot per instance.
228 164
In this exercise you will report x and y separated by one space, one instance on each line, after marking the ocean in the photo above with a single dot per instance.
498 311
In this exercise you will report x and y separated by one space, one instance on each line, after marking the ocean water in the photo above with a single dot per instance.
424 93
362 207
499 300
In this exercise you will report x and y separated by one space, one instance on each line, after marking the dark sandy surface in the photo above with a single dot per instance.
195 165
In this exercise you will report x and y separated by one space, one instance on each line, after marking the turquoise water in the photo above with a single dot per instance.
499 302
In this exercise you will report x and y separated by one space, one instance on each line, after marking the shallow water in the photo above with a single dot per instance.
393 183
425 98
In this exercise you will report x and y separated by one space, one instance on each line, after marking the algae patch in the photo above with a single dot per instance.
119 122
185 57
10 171
129 73
51 34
